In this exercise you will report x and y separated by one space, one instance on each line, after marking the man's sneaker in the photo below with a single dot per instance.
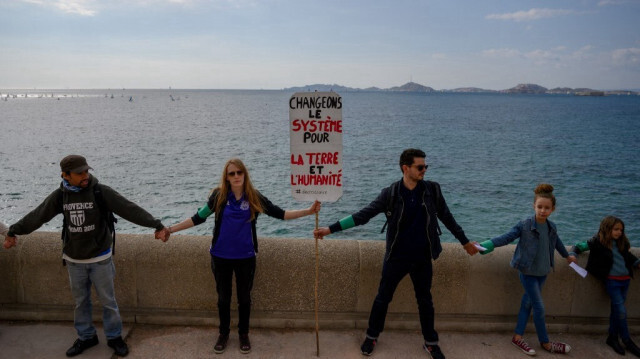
367 346
120 348
221 343
613 342
80 345
632 347
559 348
520 343
434 351
245 344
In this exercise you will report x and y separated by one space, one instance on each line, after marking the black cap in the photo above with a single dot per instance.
74 163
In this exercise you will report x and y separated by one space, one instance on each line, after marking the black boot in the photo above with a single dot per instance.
612 341
632 347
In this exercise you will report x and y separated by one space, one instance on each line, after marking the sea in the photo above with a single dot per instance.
165 150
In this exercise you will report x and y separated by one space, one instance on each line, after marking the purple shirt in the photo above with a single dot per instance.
235 240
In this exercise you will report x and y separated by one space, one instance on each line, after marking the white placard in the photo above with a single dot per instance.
581 271
479 247
315 127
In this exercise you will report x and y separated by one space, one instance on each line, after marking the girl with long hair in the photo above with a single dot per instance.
611 262
237 205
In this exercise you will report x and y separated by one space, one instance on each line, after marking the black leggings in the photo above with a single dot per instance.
223 270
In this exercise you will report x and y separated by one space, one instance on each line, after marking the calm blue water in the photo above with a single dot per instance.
488 152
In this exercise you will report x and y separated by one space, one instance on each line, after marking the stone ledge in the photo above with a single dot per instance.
171 283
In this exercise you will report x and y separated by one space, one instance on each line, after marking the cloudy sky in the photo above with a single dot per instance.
272 44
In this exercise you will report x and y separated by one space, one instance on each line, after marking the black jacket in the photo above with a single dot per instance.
432 199
601 258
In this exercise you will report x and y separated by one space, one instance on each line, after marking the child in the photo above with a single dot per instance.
533 257
611 262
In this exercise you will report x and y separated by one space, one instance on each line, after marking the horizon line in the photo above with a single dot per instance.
290 87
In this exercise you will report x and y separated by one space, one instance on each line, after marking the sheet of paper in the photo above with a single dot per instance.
578 269
480 248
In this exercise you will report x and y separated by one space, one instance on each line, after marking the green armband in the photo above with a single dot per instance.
488 245
204 212
347 222
582 247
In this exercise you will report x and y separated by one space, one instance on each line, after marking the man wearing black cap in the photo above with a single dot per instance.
87 245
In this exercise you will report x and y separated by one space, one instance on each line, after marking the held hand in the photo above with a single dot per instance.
9 242
571 259
315 207
163 234
471 248
319 233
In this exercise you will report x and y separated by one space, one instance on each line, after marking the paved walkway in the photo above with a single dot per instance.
51 339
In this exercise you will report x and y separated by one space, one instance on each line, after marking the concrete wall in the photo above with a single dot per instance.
171 283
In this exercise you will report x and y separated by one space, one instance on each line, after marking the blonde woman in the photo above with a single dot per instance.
236 204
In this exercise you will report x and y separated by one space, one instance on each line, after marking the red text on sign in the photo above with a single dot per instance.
316 158
316 126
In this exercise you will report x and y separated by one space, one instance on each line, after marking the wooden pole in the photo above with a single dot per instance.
316 292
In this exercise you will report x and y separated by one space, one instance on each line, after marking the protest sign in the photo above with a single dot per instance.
315 124
315 129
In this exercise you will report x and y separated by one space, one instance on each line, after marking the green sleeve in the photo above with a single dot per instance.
582 247
347 222
579 248
205 211
488 245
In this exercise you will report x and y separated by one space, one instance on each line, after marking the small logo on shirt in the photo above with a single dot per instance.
76 217
244 205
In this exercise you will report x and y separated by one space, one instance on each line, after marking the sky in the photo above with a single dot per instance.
274 44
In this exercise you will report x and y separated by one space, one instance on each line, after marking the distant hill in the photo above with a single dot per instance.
526 88
326 88
519 89
412 87
470 90
408 87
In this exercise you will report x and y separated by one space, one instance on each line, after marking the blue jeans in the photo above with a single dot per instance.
421 274
100 274
617 290
532 299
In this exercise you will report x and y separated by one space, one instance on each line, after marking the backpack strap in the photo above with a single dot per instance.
107 214
389 212
63 234
435 191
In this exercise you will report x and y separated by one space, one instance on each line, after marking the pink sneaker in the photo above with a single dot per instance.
523 346
557 347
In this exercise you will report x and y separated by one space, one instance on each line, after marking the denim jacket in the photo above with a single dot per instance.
527 246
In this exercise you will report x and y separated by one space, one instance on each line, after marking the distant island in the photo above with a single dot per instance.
519 89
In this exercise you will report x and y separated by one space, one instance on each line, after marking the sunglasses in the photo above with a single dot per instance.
234 173
422 167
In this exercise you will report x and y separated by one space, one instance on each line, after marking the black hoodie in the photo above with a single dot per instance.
87 232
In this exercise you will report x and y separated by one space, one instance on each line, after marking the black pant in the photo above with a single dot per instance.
421 274
223 270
